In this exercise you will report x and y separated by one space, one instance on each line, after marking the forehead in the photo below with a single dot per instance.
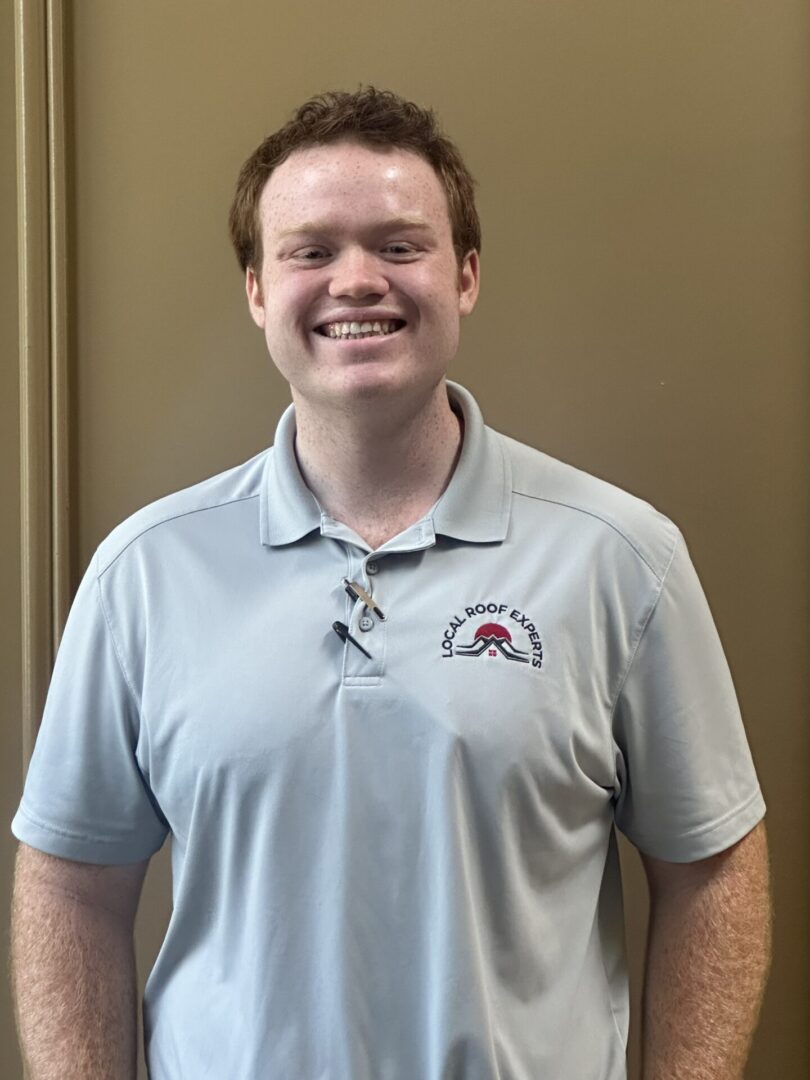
354 182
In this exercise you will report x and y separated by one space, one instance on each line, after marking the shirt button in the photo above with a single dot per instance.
366 623
372 567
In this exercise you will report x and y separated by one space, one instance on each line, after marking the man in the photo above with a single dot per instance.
388 686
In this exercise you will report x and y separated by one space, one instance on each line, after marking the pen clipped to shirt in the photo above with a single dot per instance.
342 631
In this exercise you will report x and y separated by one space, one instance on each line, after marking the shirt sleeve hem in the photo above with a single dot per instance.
706 840
102 851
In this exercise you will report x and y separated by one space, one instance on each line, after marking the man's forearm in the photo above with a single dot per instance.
707 962
73 973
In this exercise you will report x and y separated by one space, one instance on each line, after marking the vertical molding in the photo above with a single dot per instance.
57 207
35 451
42 357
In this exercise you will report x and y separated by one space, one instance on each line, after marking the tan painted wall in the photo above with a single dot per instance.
643 188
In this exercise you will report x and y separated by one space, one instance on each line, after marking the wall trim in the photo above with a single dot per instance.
41 231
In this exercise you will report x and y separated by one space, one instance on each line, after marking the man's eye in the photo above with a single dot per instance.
400 249
311 254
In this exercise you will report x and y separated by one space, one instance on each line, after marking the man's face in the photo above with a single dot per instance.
359 239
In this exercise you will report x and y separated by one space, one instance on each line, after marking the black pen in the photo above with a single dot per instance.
342 631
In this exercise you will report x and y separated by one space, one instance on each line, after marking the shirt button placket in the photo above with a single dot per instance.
366 623
357 666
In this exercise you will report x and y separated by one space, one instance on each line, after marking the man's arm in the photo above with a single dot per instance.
73 967
708 954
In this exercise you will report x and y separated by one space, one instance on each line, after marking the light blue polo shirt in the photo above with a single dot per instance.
400 865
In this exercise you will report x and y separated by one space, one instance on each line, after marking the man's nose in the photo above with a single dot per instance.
358 273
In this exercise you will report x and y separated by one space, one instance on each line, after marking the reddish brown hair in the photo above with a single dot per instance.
376 118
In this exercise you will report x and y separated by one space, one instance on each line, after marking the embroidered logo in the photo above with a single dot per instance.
471 634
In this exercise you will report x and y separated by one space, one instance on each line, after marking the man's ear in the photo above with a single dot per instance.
253 288
469 281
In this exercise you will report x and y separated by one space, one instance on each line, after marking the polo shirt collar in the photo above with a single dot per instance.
288 509
477 503
475 507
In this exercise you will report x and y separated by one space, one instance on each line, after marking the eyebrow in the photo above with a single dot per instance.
310 227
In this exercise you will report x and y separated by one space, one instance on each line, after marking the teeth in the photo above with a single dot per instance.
352 330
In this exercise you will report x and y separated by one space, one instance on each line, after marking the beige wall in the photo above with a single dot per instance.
643 188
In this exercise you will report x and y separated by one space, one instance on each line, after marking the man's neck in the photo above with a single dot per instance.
378 473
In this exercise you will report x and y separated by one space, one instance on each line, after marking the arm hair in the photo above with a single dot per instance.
708 956
73 967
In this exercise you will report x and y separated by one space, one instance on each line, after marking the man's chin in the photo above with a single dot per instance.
381 385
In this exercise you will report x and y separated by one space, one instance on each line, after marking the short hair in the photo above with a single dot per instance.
374 118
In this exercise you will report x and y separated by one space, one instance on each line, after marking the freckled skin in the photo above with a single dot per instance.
351 193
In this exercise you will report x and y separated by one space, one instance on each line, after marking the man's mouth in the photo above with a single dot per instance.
351 331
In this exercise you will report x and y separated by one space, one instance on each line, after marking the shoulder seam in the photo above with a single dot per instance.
631 659
116 649
172 517
605 521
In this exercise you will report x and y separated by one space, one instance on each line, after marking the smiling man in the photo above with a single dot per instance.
359 292
393 841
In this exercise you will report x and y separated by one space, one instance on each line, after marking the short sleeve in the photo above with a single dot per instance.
687 784
86 797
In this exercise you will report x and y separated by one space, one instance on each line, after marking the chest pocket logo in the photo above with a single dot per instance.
514 636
